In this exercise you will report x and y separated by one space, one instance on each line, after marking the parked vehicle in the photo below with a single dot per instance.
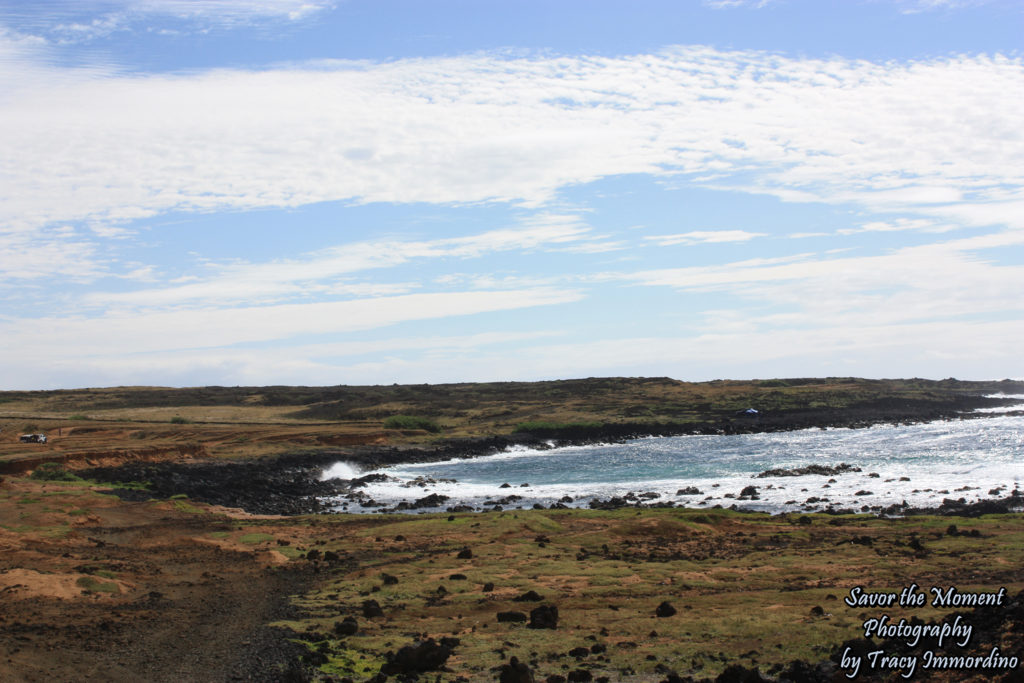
33 438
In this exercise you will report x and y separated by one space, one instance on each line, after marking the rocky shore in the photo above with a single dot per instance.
291 484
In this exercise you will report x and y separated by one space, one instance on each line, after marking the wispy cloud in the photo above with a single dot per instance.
729 4
941 281
82 21
324 272
121 333
704 237
937 135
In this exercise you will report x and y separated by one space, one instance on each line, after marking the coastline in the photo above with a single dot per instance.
291 484
223 570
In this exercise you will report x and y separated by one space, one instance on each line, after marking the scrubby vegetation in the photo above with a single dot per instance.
52 471
411 422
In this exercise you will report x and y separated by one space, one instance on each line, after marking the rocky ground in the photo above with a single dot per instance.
217 571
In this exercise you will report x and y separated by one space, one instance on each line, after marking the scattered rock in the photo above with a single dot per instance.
515 672
346 627
737 673
665 610
372 610
689 491
529 596
511 616
416 658
824 470
465 554
545 616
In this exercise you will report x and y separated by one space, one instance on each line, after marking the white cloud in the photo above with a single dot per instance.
704 237
47 253
126 333
230 9
729 4
938 136
942 281
324 271
81 21
915 6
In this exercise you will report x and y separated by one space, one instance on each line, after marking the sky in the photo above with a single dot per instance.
323 192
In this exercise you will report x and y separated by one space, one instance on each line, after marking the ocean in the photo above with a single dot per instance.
920 465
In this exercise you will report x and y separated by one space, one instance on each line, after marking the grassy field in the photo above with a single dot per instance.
106 426
178 590
747 588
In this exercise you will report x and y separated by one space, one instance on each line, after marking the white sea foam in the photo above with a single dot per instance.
341 470
920 464
1003 409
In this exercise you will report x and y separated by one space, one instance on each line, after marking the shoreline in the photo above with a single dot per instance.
290 484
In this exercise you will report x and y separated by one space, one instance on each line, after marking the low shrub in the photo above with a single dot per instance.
547 426
52 471
179 420
411 422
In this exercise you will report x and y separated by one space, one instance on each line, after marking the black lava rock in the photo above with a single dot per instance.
418 657
511 616
515 672
665 610
346 627
371 609
545 616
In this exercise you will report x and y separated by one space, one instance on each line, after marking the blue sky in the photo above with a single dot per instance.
366 192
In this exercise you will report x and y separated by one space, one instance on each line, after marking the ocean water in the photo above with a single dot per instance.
918 464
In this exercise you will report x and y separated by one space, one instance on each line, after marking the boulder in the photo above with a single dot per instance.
371 609
515 672
545 616
346 627
737 673
511 616
665 610
416 658
529 596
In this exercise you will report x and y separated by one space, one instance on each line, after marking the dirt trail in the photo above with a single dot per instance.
137 592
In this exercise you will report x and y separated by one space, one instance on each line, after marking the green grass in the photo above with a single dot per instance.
256 538
91 585
549 426
744 584
184 506
52 471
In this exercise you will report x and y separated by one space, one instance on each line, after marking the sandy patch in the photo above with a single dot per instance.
272 557
23 584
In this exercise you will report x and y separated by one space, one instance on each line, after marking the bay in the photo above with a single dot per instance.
920 464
